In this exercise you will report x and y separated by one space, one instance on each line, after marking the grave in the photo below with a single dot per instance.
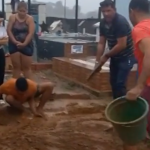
77 71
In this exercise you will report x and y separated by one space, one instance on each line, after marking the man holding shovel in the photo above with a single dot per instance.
116 30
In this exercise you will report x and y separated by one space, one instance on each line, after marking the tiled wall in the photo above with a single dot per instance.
78 73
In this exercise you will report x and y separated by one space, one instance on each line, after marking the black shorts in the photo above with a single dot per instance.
28 50
38 92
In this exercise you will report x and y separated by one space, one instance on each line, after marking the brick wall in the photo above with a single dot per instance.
78 73
35 66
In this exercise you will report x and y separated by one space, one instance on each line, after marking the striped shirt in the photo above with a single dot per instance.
118 29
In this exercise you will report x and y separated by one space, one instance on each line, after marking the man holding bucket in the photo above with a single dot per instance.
139 16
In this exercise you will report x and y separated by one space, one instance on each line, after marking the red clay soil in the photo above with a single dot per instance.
71 125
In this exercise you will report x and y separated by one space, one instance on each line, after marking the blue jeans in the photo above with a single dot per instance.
119 71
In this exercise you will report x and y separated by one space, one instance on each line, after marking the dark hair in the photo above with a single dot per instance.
21 84
22 4
141 5
107 3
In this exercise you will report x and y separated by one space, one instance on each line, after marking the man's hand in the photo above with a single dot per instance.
32 106
134 93
103 60
96 64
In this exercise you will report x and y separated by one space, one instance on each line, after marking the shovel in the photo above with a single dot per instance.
96 69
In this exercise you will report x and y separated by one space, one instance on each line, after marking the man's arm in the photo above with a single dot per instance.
100 48
32 106
144 46
102 43
121 33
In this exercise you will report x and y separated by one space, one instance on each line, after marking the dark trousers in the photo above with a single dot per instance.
119 71
2 68
146 95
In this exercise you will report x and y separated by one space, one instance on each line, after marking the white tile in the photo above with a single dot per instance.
89 63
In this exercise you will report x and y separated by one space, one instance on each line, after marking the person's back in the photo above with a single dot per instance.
9 88
140 31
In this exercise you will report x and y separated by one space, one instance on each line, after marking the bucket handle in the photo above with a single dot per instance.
127 126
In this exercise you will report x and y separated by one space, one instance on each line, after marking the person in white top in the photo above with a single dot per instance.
3 41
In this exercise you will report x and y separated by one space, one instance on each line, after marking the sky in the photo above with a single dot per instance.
86 5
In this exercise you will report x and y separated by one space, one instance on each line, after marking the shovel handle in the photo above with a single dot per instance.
96 69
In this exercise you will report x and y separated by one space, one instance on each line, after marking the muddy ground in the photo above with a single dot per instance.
71 125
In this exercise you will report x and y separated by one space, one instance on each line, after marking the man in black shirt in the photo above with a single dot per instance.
115 29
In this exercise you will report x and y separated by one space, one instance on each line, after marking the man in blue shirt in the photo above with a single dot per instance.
115 29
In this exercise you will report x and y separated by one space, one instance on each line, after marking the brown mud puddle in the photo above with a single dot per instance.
71 125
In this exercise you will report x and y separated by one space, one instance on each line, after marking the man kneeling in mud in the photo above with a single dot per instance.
21 90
